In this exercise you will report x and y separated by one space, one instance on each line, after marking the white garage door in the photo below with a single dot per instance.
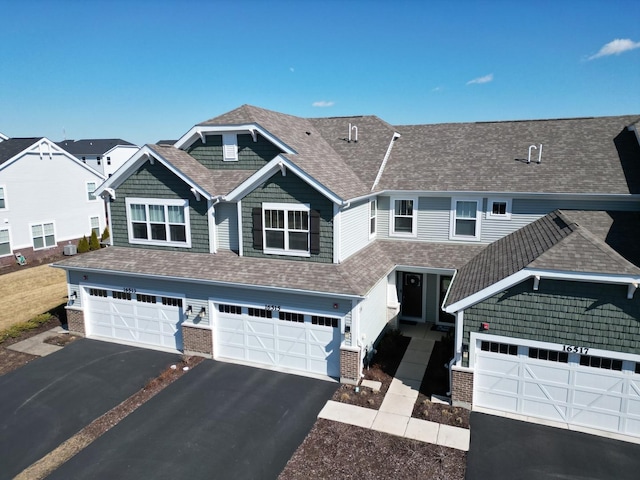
278 339
590 391
134 318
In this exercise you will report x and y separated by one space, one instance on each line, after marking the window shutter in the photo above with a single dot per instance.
257 228
314 232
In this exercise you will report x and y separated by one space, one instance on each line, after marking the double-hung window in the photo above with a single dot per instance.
95 225
5 242
3 200
373 212
465 219
404 216
158 222
91 187
43 235
286 228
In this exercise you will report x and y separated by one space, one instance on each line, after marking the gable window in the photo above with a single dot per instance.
3 201
286 229
95 225
158 222
404 215
91 187
373 211
465 219
5 243
499 208
43 235
229 147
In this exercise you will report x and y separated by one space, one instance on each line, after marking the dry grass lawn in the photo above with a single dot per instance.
27 293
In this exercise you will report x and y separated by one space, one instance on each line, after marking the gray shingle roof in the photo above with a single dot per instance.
92 146
576 241
580 155
13 146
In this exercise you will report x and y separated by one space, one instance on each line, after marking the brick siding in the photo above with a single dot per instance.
75 322
197 341
350 366
462 391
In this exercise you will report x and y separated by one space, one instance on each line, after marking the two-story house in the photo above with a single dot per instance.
46 199
293 242
105 155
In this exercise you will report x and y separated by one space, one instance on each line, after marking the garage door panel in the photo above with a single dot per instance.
231 323
261 342
502 366
261 327
546 392
260 356
548 409
500 402
233 339
286 346
546 373
492 381
590 418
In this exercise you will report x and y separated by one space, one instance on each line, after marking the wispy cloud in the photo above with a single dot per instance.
437 89
291 69
485 79
616 47
323 103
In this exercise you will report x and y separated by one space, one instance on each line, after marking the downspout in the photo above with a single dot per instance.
458 350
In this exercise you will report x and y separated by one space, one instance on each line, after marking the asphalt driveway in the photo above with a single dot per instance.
509 449
50 399
219 421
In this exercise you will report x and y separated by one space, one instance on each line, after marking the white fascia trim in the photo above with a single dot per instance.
526 273
53 149
200 131
634 129
542 195
396 135
3 136
216 283
145 153
268 170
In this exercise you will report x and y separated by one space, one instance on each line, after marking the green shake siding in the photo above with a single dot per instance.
289 189
156 181
251 155
585 314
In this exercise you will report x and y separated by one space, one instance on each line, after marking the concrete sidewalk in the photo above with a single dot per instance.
394 416
35 345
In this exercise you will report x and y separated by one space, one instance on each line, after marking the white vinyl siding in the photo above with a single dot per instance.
354 228
5 242
158 222
227 226
43 235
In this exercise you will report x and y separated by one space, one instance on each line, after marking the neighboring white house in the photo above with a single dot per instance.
3 137
104 155
46 199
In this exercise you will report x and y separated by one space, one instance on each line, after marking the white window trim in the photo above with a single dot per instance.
287 207
8 229
373 216
164 202
55 236
491 215
452 219
87 191
230 147
6 202
414 223
99 224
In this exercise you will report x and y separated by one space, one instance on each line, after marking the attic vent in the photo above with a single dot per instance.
353 128
230 147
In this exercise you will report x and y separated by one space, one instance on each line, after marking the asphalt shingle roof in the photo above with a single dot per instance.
13 146
91 146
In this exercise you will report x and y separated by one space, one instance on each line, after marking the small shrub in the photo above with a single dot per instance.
105 234
83 245
18 329
94 243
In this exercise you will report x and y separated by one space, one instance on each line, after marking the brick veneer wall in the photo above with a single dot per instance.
35 257
75 322
462 389
350 366
197 341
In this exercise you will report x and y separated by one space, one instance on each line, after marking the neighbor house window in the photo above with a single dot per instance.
3 201
499 208
95 225
465 219
373 211
158 222
230 147
91 187
43 235
5 244
404 216
286 228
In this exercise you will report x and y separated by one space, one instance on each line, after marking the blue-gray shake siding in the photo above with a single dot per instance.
592 315
157 181
251 155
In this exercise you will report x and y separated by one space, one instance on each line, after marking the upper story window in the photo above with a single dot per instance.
286 229
230 147
465 219
404 217
158 221
5 242
373 212
499 208
91 187
3 199
43 235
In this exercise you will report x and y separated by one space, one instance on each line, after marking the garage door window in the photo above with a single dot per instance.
549 355
259 312
145 298
121 295
496 347
324 321
292 317
97 292
600 362
173 302
233 309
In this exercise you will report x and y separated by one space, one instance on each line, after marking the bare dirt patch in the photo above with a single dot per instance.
61 339
334 450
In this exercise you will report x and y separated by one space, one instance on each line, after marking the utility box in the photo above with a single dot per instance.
70 249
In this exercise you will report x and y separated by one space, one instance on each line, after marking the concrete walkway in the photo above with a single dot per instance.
394 416
35 345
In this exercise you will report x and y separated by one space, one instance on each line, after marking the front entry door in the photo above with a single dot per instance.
411 306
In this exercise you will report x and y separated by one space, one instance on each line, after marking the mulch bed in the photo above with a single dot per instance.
334 450
383 367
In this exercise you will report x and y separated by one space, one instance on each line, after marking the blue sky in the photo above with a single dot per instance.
147 70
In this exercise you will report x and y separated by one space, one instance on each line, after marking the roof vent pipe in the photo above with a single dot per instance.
354 128
529 157
540 154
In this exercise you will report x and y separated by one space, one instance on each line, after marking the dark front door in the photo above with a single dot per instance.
444 317
411 295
